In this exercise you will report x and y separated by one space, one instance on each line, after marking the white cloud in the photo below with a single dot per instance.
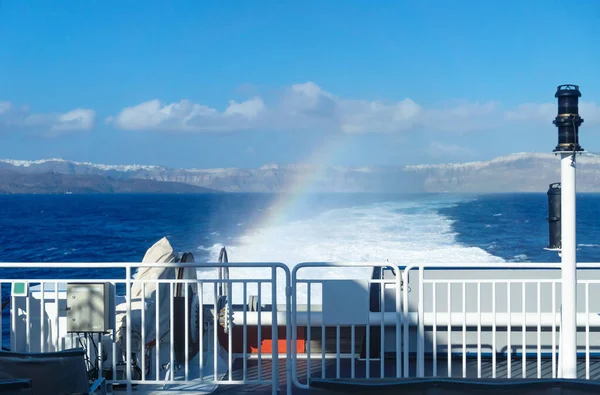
249 109
590 112
437 149
13 117
79 119
546 112
307 107
463 117
187 116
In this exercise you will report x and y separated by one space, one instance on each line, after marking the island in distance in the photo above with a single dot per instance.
12 182
522 172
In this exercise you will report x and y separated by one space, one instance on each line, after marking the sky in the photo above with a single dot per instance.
202 84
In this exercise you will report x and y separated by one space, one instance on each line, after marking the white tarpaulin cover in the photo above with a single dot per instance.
160 252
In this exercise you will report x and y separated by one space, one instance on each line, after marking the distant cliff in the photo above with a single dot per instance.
12 182
523 172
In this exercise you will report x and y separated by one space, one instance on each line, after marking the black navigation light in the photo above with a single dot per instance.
554 226
568 120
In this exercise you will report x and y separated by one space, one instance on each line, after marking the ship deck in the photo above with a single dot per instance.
331 383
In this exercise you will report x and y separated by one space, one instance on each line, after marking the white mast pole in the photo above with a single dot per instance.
568 121
569 268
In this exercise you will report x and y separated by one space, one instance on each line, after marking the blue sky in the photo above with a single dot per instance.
242 84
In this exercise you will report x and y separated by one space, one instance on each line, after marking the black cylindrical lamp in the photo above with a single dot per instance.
554 226
568 120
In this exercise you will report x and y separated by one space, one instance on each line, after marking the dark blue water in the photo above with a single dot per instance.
120 228
514 227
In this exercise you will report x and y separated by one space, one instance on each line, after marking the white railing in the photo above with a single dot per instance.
440 320
507 322
337 317
155 361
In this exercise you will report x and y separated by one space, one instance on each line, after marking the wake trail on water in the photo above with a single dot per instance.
402 232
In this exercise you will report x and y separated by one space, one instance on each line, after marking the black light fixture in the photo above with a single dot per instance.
568 120
554 226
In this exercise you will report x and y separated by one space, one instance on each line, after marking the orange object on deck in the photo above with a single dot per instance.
266 344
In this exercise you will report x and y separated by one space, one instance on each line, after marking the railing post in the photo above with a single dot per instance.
292 312
128 324
288 323
274 332
421 329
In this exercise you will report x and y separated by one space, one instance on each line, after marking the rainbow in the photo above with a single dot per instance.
302 184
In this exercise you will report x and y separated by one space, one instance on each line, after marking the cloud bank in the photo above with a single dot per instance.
306 107
13 117
299 107
546 112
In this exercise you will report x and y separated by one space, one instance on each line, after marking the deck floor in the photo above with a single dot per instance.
316 373
331 383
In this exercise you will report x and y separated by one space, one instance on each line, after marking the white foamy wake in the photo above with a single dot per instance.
403 232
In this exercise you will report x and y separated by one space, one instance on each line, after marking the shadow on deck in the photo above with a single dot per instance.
324 378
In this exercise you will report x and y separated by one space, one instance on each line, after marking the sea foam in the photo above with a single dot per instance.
403 233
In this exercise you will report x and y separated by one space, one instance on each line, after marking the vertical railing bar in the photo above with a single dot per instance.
405 342
114 364
187 331
1 315
449 362
464 329
322 344
128 328
508 333
291 302
87 346
368 348
13 313
216 328
308 330
554 329
229 325
539 330
157 333
114 340
143 311
171 331
42 318
274 333
352 351
259 330
587 331
478 330
244 332
524 332
337 351
56 320
290 298
382 328
201 330
398 289
421 331
434 334
27 317
494 330
99 356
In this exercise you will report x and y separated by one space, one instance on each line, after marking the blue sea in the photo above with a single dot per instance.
403 229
